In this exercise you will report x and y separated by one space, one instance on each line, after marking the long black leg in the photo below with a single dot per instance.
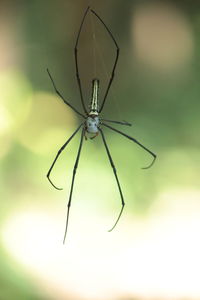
115 62
61 96
72 184
117 122
115 173
76 61
135 141
58 154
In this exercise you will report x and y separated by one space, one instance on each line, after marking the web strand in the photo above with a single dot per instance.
98 51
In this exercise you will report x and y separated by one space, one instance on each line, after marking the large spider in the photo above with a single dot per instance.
92 122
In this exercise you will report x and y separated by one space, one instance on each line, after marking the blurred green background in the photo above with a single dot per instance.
153 253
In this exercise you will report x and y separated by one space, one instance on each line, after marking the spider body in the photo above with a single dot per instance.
92 122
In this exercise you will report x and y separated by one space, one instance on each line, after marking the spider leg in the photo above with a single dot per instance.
61 96
58 154
72 183
135 141
116 177
117 122
115 62
76 61
94 136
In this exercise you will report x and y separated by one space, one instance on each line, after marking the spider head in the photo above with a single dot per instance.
92 123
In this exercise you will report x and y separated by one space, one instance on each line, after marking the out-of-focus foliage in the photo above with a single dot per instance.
154 251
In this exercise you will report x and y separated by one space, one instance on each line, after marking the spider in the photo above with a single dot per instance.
92 123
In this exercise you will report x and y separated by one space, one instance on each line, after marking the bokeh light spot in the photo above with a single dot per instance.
161 36
48 124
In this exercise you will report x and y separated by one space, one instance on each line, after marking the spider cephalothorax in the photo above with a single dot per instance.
92 126
91 123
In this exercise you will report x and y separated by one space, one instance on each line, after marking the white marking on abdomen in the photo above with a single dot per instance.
94 100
